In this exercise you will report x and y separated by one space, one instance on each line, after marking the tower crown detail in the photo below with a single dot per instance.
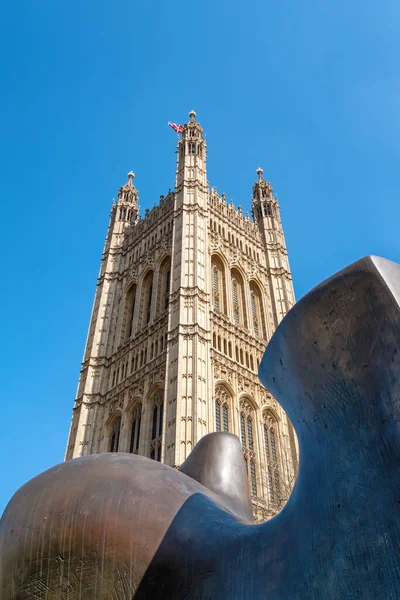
192 153
262 190
128 201
128 192
192 130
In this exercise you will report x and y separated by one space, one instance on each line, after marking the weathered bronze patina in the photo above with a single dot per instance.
118 527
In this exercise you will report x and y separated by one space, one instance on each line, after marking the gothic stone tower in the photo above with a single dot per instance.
187 299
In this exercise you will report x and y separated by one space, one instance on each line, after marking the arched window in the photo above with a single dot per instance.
218 285
157 425
239 308
135 429
146 298
253 478
114 434
164 283
247 439
222 403
270 428
130 303
257 311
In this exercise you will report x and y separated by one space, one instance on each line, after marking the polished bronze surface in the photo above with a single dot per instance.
117 526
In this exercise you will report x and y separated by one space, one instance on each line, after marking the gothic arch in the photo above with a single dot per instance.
114 415
250 399
218 282
114 431
238 297
135 425
272 410
223 408
225 384
135 400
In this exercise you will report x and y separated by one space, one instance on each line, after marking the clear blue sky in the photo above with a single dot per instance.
310 91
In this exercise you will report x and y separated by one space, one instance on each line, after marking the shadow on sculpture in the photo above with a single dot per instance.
119 527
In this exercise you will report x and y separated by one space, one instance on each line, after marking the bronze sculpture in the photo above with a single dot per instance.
116 526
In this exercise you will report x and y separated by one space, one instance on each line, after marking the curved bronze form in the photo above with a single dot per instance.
118 527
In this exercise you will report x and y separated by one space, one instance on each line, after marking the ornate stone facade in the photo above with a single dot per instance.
187 299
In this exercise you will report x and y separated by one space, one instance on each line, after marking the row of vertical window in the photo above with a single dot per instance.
157 236
223 403
223 422
235 241
243 357
140 300
238 307
138 360
266 210
155 448
125 214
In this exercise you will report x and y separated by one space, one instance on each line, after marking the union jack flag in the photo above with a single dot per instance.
176 127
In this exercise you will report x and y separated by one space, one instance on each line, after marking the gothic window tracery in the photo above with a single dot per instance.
247 418
157 425
222 404
114 434
270 428
135 429
130 302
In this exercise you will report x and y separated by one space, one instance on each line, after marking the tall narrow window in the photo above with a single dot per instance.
254 313
250 433
164 284
273 444
253 478
217 416
239 308
218 285
272 456
146 299
243 429
225 417
160 421
154 427
130 311
167 284
222 403
246 435
266 443
157 425
135 429
114 437
149 303
271 487
235 292
216 289
257 311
